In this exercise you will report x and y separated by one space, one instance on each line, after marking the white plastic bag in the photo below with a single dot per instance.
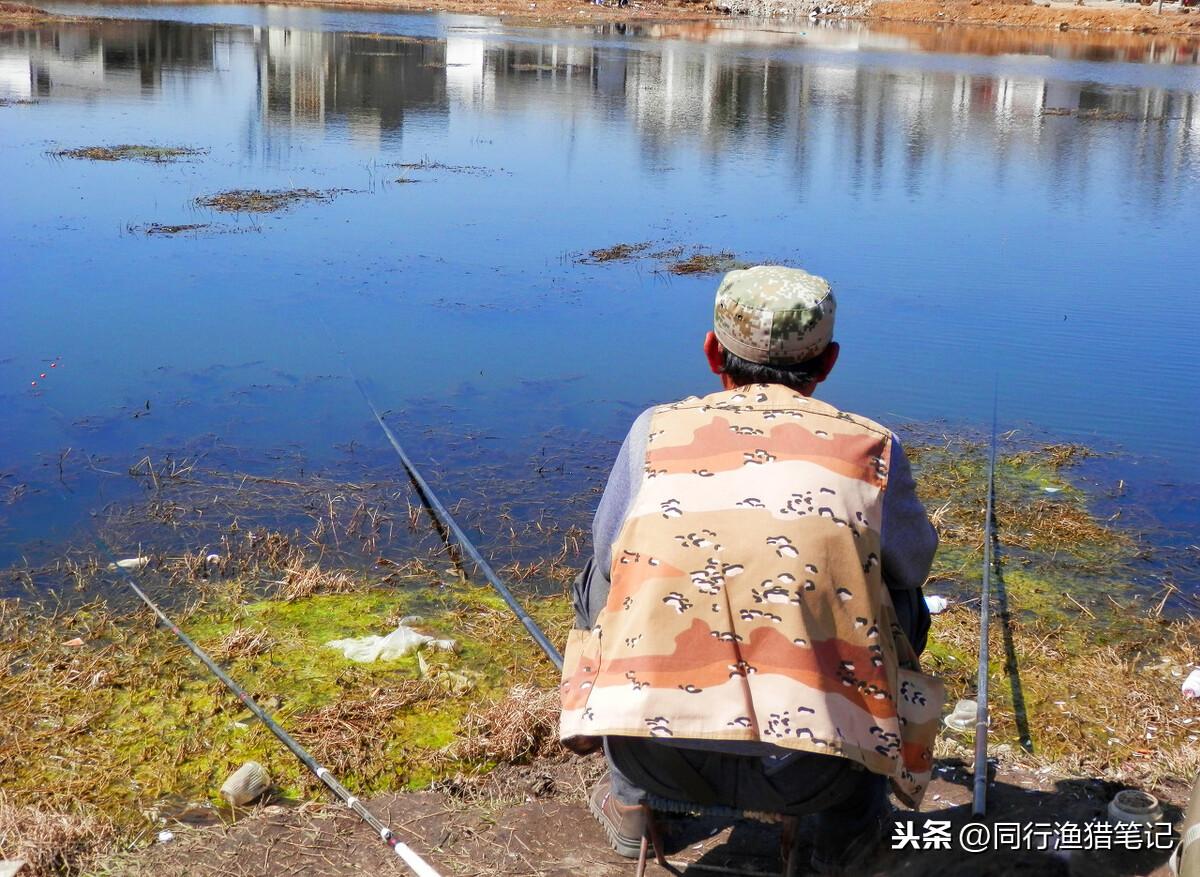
937 605
1191 685
397 644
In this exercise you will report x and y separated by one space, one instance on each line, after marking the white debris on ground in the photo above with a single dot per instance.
795 8
129 563
397 644
1191 685
937 605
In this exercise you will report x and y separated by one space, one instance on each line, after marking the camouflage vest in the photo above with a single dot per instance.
747 601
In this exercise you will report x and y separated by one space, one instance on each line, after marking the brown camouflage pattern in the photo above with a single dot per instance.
747 601
772 314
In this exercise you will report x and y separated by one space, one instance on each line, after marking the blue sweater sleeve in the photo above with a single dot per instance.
590 591
908 538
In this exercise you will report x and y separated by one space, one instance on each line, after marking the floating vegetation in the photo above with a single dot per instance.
428 164
1101 115
671 259
155 228
264 200
706 263
1113 116
617 253
1036 507
130 152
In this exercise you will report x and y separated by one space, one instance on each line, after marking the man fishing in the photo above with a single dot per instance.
748 627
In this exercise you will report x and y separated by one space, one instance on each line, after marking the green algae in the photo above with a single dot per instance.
130 720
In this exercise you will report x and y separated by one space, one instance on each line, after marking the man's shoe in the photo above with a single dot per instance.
837 855
624 823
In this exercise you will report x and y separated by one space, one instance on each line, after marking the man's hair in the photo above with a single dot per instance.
795 377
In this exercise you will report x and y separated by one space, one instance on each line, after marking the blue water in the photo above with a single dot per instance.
972 240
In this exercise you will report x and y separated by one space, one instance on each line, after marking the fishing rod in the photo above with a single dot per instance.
981 716
415 863
443 517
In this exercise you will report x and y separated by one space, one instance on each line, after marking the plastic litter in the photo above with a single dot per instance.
1191 685
937 605
1136 807
962 717
165 837
129 563
245 784
397 644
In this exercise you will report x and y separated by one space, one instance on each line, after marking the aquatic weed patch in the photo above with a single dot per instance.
264 200
1085 669
130 152
678 260
616 253
428 164
1037 507
706 263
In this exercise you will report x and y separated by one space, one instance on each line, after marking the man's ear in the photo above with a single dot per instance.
829 357
714 353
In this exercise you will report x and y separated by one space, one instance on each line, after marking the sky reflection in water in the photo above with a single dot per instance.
969 234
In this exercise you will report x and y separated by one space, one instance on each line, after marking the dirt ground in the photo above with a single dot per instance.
1096 16
532 820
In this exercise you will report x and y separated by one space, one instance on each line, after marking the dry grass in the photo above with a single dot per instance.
351 737
53 843
244 642
130 152
263 200
521 726
304 581
1111 711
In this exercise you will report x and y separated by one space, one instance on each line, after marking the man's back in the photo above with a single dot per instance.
746 600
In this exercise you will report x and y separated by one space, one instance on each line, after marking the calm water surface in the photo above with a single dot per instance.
972 238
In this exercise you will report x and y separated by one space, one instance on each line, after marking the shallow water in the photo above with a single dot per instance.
973 240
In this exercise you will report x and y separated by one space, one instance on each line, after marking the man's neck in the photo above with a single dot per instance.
807 390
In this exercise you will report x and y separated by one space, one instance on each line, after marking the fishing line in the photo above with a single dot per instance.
981 717
415 863
448 523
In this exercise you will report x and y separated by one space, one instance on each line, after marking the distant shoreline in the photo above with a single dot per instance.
680 18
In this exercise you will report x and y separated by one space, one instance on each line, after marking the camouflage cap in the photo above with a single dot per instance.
774 315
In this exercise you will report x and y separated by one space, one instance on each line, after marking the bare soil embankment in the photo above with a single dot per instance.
1128 18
